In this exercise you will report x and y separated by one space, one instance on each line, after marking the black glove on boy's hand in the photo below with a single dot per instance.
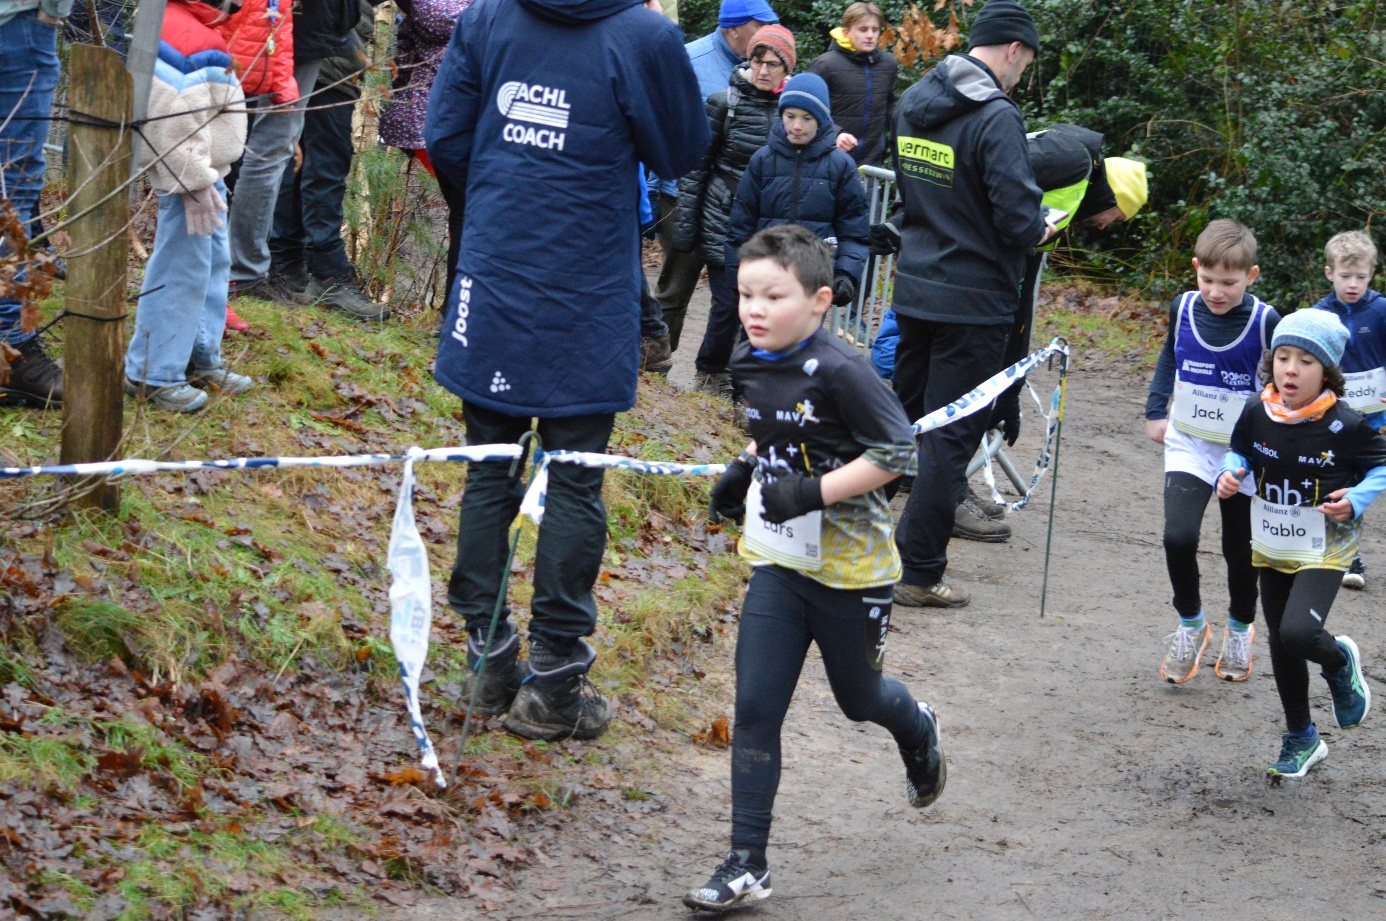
729 492
791 496
844 290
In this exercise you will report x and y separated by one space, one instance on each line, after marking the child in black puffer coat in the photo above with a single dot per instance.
799 177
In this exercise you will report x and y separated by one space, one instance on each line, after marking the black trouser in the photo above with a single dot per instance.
723 322
1186 498
784 611
456 198
308 212
935 363
571 539
651 317
1296 606
678 273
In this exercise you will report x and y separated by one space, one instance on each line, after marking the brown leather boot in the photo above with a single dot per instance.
35 379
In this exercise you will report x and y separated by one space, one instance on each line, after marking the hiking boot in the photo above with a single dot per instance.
1356 576
938 595
971 522
1234 661
35 379
292 287
713 383
1351 696
734 883
985 506
494 679
656 354
1186 646
234 323
926 770
1298 754
227 382
560 702
176 398
343 293
906 484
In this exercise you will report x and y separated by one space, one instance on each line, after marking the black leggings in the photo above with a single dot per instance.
1296 606
785 611
1186 498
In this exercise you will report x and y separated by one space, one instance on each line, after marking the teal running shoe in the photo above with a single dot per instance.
1298 754
1351 696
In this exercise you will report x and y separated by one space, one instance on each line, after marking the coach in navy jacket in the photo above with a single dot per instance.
542 110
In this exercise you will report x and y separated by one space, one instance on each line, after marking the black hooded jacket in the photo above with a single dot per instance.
970 208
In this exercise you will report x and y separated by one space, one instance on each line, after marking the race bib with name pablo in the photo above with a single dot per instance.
1365 390
1288 532
794 544
1204 412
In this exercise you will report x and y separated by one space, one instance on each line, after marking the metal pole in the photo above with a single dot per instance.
139 61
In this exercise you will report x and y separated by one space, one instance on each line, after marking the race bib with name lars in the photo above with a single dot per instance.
794 544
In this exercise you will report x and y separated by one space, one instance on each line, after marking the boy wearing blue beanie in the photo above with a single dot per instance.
800 177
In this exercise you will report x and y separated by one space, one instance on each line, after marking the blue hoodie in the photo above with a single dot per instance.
1366 346
541 110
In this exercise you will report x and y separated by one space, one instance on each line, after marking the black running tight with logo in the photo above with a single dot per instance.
1186 498
783 613
1296 606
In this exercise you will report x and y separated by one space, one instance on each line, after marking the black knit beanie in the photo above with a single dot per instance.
1002 22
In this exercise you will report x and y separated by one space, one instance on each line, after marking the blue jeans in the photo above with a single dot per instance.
28 76
181 322
269 147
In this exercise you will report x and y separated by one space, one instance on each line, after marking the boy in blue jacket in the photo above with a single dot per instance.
800 177
1351 263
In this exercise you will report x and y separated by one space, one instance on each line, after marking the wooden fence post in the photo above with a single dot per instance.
93 334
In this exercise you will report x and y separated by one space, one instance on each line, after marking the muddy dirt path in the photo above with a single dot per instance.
1079 786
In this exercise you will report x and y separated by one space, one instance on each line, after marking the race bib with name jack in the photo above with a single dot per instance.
1291 533
794 544
1365 390
1204 412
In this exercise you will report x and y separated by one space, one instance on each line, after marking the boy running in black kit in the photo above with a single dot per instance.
829 434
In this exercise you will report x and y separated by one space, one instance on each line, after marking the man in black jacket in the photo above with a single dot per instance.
970 213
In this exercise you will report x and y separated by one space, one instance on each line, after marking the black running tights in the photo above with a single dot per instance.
1296 606
784 612
1186 498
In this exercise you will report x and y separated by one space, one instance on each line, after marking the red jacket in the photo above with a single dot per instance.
191 27
261 37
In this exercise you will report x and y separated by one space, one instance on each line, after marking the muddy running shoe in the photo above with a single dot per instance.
176 398
1356 576
500 679
656 354
735 883
35 379
938 595
228 382
985 506
560 702
1186 647
1351 696
1234 661
971 522
926 770
1298 754
713 383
